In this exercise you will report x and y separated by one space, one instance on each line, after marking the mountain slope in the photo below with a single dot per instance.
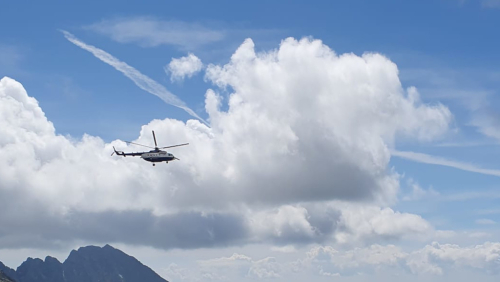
37 270
106 264
5 278
87 264
11 273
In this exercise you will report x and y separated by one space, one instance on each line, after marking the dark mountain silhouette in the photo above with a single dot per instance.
5 278
40 271
11 273
88 264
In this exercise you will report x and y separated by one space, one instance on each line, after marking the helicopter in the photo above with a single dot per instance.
155 156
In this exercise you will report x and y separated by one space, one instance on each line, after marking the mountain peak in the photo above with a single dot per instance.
91 262
35 269
49 259
87 264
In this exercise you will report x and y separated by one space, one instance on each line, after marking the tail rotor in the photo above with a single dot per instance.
116 152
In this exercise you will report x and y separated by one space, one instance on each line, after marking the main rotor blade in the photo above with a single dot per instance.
156 145
174 146
139 144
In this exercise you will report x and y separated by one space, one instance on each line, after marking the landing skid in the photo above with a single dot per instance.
155 164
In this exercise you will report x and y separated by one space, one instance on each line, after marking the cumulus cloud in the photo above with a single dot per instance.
228 266
371 223
432 259
152 32
173 271
184 66
304 142
286 222
345 223
486 257
432 262
328 260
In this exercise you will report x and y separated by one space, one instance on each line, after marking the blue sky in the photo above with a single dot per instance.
447 49
429 35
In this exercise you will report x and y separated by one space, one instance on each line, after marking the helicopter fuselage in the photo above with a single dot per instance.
157 156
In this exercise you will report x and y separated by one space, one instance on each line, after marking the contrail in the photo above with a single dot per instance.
144 82
428 159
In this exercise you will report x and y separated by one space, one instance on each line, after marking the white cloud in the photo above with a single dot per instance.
371 223
375 255
465 196
347 224
465 144
284 249
486 256
229 266
286 220
225 261
487 123
306 136
376 262
173 271
418 193
445 234
485 221
488 211
428 159
431 262
479 235
142 81
184 66
473 90
152 32
265 269
491 3
433 259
